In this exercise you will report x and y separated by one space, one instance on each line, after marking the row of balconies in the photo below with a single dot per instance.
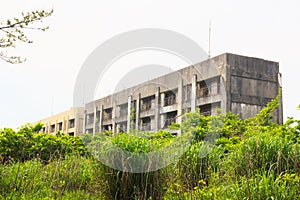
148 104
148 124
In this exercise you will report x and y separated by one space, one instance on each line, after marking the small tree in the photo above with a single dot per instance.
12 31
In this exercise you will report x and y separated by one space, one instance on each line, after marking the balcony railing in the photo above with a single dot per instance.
207 113
146 106
169 122
208 91
123 112
107 116
90 120
146 126
170 100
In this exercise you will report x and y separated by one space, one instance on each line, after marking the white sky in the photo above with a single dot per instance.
45 83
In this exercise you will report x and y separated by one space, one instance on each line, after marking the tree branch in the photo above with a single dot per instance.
13 31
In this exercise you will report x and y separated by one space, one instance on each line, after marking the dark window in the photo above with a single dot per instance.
90 118
205 110
146 124
123 110
71 134
148 103
60 126
170 99
52 128
71 123
171 117
107 114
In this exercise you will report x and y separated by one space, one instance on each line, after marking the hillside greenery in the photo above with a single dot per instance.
247 159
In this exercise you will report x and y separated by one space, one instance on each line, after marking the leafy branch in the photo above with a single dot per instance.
12 32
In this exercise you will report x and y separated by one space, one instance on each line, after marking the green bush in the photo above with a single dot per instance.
226 158
26 144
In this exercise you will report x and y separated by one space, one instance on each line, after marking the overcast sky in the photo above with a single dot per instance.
44 84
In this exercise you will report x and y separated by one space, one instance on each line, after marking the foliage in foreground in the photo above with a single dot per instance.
27 143
248 159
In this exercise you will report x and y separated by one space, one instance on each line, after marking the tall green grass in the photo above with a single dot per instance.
251 159
71 176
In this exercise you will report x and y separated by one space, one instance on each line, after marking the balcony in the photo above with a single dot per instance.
146 126
169 122
170 100
107 116
123 112
146 106
208 91
207 113
90 118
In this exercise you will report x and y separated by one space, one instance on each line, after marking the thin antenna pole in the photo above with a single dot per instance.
209 40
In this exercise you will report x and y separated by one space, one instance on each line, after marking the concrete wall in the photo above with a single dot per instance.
253 83
62 121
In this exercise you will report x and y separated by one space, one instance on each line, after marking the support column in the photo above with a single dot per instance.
101 118
179 102
55 127
157 110
114 110
194 93
94 122
129 113
84 122
67 126
137 114
228 90
64 125
162 116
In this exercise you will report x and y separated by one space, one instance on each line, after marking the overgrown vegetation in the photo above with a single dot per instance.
249 159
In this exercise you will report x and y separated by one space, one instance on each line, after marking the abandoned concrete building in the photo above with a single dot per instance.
69 122
228 82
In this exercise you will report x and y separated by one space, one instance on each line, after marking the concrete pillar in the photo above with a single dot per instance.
129 113
67 125
194 93
76 123
162 104
114 114
179 102
55 126
157 110
94 123
47 128
64 125
137 114
280 109
162 99
84 122
223 94
227 106
101 118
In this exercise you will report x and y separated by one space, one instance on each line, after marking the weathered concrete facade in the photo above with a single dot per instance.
229 82
69 122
